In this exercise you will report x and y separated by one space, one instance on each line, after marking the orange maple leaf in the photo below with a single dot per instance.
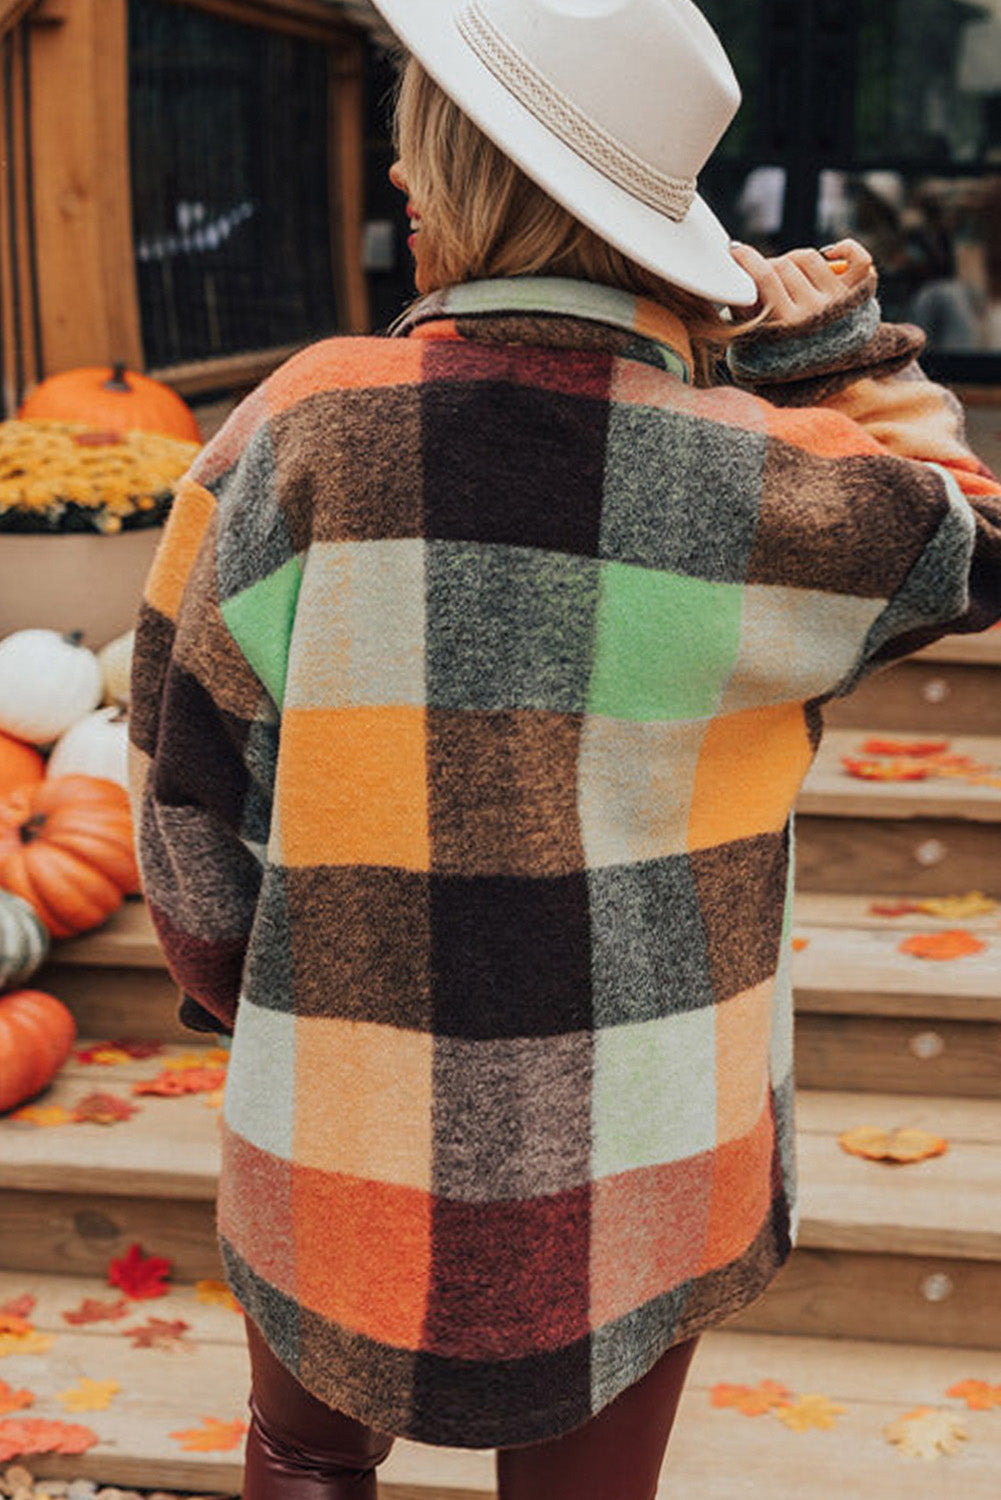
884 770
216 1291
215 1437
800 944
11 1400
978 1394
37 1435
903 1145
956 942
753 1401
904 747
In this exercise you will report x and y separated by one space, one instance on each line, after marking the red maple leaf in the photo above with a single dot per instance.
18 1307
92 1311
157 1333
140 1276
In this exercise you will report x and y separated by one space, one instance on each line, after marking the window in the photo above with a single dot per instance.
231 184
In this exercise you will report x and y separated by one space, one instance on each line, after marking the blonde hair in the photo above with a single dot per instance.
484 218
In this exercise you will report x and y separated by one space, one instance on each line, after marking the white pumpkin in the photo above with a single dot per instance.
116 667
97 745
47 682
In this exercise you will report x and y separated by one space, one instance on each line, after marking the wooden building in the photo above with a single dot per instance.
181 185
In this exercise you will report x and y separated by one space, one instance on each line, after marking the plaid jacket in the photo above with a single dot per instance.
476 677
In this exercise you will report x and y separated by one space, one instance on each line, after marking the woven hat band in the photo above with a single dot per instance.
671 196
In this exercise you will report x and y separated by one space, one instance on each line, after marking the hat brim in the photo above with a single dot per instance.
693 254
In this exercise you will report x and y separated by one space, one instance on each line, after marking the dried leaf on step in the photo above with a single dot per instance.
978 1394
18 1336
810 1411
214 1437
216 1291
904 747
137 1049
176 1082
893 908
18 1307
955 942
956 908
89 1395
884 770
876 1144
102 1055
11 1400
93 1311
21 1435
800 944
752 1401
209 1057
139 1275
103 1109
159 1333
43 1114
926 1433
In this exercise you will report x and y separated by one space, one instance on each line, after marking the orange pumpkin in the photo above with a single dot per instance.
36 1035
19 763
116 398
66 847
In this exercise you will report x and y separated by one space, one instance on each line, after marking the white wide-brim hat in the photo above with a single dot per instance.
612 107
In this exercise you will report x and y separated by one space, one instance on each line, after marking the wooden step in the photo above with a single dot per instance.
880 1250
915 838
715 1453
869 1017
982 649
953 687
932 697
73 1196
829 791
114 979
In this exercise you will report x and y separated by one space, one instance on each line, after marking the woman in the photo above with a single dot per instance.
475 681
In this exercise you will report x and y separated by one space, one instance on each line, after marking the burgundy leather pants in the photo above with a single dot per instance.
300 1449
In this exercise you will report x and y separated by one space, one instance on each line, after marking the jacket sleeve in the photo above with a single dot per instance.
203 737
866 371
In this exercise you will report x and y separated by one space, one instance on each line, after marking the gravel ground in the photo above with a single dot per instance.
18 1483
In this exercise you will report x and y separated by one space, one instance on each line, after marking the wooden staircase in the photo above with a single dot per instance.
894 1291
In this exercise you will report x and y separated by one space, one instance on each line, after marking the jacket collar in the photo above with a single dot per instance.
556 312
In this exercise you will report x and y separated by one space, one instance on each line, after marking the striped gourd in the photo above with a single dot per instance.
24 941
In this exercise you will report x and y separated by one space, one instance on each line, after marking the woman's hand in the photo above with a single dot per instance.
794 288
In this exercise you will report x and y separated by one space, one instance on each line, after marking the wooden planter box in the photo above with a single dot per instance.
77 582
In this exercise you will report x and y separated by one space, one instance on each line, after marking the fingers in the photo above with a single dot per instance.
860 264
794 287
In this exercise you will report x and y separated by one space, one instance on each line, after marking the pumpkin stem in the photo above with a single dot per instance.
73 637
121 711
32 827
117 381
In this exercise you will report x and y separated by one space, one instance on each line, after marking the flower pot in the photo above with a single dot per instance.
85 582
